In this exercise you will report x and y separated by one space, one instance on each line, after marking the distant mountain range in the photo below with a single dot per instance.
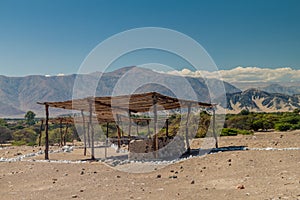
277 88
289 88
256 100
20 94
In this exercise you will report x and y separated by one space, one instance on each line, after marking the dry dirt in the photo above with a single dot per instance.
225 175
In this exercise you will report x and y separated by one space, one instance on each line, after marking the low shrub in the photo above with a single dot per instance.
283 126
234 131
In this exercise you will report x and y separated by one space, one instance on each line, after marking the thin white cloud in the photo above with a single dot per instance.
246 74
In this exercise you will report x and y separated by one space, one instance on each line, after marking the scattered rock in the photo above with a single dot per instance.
74 196
172 171
193 182
82 172
81 190
229 160
118 176
158 176
173 176
240 187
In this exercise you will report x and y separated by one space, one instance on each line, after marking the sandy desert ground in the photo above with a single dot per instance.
252 174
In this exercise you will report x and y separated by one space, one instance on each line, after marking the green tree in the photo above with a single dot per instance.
244 112
30 118
258 124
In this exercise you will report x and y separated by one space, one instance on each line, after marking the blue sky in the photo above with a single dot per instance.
54 36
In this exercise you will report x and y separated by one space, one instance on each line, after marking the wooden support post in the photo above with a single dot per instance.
88 134
121 124
65 135
148 125
46 133
61 132
167 128
129 126
119 132
137 128
92 130
84 134
214 127
187 130
155 125
119 137
106 139
41 132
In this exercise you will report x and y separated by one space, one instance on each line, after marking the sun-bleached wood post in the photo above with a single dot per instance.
84 134
88 134
137 128
122 129
187 130
92 130
214 127
148 126
46 133
154 98
41 132
65 135
61 131
129 126
119 132
119 137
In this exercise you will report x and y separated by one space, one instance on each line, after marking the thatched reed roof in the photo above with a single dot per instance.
106 108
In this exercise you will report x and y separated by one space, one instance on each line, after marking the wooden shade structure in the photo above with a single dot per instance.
106 109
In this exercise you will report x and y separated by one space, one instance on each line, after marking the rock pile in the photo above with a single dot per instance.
169 149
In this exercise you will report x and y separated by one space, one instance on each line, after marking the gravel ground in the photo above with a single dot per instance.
270 173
